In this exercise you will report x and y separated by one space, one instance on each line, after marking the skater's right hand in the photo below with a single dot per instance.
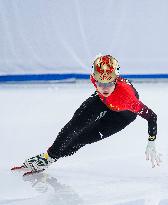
152 155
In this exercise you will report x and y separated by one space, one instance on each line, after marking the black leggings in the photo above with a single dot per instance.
92 121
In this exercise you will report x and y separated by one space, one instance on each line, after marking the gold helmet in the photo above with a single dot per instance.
106 69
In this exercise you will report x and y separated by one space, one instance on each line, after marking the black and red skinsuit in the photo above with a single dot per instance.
99 117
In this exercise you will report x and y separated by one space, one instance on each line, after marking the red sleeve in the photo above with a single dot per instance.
146 113
142 110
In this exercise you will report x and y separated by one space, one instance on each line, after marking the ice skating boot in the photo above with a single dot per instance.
38 163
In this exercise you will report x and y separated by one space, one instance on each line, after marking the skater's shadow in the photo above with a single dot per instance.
62 194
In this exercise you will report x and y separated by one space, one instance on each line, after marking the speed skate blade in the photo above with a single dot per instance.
32 172
17 168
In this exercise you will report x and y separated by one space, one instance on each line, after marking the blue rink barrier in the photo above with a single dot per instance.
71 76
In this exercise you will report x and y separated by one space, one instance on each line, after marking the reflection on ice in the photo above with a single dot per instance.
133 191
38 182
61 194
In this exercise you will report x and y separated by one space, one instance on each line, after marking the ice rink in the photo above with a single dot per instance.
110 172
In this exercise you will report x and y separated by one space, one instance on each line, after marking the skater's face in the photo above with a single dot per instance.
105 88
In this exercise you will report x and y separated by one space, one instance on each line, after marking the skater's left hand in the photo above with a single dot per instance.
152 154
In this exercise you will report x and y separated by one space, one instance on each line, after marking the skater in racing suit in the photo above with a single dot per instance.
114 105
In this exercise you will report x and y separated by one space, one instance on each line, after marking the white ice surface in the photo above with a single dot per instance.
110 172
